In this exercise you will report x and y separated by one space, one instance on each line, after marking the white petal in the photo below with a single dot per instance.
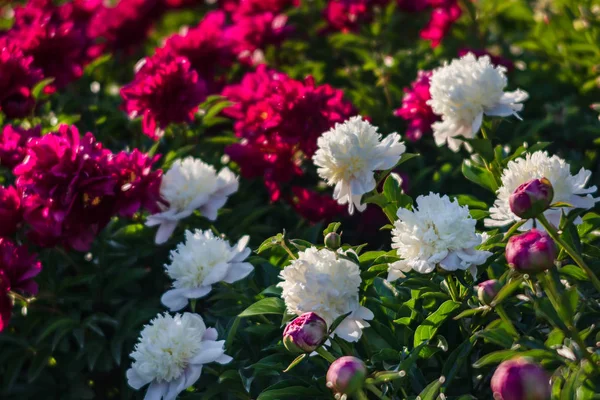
238 271
156 391
210 334
209 352
135 380
174 299
164 232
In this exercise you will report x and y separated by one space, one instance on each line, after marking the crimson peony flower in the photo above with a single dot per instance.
257 6
205 46
56 42
496 60
165 90
17 270
19 75
443 15
13 141
280 119
313 206
415 109
11 214
347 15
71 186
126 25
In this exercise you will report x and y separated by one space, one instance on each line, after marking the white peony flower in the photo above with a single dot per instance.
438 232
201 261
321 282
464 90
567 188
348 156
170 354
191 185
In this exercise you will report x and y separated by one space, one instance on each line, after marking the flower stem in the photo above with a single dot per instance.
373 389
287 249
360 395
325 354
504 316
193 305
570 251
513 229
454 294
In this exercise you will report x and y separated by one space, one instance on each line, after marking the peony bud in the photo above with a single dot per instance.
531 252
305 333
531 198
520 379
487 291
346 375
333 240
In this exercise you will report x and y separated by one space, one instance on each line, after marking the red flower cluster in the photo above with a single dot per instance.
54 38
313 206
279 120
257 6
347 15
11 213
165 90
72 186
19 75
415 109
12 144
443 14
17 270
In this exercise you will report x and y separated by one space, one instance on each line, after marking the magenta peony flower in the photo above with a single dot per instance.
19 75
205 46
165 90
532 198
443 15
305 333
496 60
126 25
531 252
13 141
346 375
347 15
280 120
17 270
520 379
71 186
415 109
11 214
257 6
313 206
49 35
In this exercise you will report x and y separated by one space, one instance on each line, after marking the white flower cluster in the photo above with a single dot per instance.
464 90
349 154
439 232
568 188
201 261
320 281
170 354
190 185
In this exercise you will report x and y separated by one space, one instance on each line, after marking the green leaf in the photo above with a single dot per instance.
478 175
431 391
291 392
498 356
269 305
483 147
455 361
405 157
430 326
37 90
40 360
338 321
296 361
497 336
332 227
507 290
273 241
470 312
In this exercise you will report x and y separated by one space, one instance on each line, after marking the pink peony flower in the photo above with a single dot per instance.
165 90
13 142
280 119
444 14
496 60
17 270
205 46
313 206
415 109
488 290
257 6
11 214
347 15
531 252
19 75
71 187
346 375
531 198
57 44
520 379
126 25
305 333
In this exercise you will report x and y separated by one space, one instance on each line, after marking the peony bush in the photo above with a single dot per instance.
299 199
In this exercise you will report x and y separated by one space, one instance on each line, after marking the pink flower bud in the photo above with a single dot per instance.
346 375
333 240
487 290
305 333
531 198
520 379
531 252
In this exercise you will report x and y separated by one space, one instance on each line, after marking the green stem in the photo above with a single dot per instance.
287 249
385 376
513 229
193 305
325 354
452 288
504 316
373 389
570 251
490 166
360 395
